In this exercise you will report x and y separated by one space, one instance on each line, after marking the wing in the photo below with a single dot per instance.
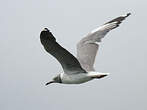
87 47
69 63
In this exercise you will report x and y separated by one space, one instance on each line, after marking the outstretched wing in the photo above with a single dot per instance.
87 47
69 63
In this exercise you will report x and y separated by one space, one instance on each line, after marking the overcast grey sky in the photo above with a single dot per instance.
25 66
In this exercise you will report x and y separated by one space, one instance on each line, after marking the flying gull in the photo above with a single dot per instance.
78 70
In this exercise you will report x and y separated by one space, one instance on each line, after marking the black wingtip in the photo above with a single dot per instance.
46 29
128 14
119 19
46 84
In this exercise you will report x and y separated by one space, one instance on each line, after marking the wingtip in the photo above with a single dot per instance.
46 84
45 29
128 14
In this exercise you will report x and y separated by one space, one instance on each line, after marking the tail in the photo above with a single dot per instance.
98 75
102 75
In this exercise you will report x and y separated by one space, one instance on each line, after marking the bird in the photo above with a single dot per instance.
80 69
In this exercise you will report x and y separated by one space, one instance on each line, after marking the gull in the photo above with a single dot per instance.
81 69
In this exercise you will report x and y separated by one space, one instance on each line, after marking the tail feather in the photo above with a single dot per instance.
97 75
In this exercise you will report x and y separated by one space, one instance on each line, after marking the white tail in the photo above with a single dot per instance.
98 75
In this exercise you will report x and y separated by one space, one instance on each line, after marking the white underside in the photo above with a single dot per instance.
80 78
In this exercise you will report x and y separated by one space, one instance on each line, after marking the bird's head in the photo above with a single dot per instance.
56 79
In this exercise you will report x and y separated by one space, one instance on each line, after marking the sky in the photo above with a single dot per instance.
25 66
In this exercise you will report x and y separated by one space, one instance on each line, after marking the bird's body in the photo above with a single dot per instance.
80 77
75 78
78 70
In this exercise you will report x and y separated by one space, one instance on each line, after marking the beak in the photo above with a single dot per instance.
49 82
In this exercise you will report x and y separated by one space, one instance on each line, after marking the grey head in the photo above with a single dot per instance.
56 79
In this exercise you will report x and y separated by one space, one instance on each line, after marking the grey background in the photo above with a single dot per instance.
25 66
